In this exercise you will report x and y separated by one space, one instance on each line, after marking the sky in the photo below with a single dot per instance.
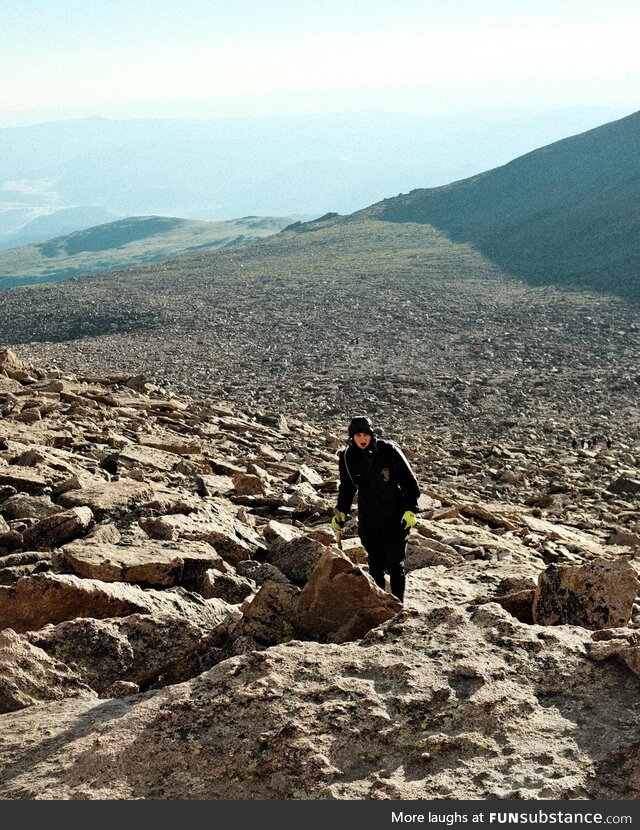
62 59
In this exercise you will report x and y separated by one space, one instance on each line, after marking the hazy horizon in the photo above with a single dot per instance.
242 59
291 108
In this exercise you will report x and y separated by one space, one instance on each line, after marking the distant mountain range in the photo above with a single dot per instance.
301 167
568 213
125 244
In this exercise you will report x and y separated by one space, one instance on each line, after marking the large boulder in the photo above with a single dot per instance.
36 601
142 649
597 595
151 564
58 529
340 602
29 675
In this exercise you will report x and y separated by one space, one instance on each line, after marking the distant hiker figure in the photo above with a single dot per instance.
388 495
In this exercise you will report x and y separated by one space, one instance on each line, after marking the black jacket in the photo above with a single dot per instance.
383 479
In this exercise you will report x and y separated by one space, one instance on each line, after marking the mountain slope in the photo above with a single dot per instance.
125 244
58 223
568 213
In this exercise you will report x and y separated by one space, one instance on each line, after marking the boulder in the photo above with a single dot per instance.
260 572
214 485
35 601
306 473
29 675
149 564
13 366
277 533
305 496
10 540
268 617
217 525
296 558
248 485
58 529
625 486
23 506
108 499
24 479
229 587
597 595
139 648
340 602
426 553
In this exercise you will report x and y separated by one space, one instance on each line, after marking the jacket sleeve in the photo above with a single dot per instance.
346 488
406 479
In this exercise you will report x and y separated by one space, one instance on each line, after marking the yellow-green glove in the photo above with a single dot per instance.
408 519
337 523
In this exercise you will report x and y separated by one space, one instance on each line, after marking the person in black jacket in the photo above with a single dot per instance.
388 495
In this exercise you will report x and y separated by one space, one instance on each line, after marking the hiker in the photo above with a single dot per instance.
388 495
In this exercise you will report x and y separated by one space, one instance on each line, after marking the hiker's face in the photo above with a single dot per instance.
362 440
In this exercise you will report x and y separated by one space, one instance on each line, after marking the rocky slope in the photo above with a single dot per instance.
176 622
491 381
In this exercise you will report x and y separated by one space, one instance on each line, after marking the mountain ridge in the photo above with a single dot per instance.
564 213
124 243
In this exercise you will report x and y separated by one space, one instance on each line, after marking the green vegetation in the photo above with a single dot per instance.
125 244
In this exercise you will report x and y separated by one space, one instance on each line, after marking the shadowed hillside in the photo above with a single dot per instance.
566 214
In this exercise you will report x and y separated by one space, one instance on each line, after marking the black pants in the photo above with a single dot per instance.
386 548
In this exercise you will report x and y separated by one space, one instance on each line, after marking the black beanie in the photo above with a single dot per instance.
361 423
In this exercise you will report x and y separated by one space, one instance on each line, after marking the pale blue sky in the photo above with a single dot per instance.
211 58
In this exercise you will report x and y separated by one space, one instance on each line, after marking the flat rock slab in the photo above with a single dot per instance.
153 564
568 536
148 456
36 601
170 444
108 499
24 479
